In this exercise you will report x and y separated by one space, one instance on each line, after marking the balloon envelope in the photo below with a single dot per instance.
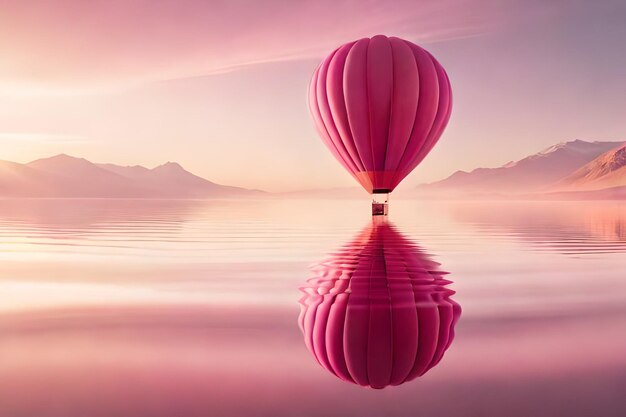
377 312
380 105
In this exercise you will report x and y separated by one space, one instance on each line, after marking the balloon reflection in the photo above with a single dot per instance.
377 312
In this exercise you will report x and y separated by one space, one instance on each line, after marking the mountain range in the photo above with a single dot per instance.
569 167
67 176
606 171
569 170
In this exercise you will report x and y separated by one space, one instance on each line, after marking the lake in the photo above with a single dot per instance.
303 308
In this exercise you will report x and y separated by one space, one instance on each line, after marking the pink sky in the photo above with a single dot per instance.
220 86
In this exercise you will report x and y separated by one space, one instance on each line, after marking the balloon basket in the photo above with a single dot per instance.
380 204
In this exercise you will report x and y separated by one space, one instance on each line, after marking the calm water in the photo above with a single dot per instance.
164 308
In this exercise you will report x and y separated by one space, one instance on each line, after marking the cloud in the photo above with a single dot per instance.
72 45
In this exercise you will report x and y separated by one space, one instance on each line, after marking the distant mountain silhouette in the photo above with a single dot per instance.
339 193
66 176
20 180
534 173
613 193
606 171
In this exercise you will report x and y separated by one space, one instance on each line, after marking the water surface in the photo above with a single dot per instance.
190 308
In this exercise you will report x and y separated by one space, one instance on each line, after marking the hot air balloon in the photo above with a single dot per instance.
380 105
377 312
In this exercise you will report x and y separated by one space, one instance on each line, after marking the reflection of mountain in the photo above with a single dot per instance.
66 176
91 215
377 312
563 227
533 173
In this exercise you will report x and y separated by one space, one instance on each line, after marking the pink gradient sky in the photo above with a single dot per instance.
220 86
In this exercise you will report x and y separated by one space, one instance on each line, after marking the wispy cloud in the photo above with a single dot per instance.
70 46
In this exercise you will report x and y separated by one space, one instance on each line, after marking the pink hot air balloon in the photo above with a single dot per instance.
377 312
380 105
